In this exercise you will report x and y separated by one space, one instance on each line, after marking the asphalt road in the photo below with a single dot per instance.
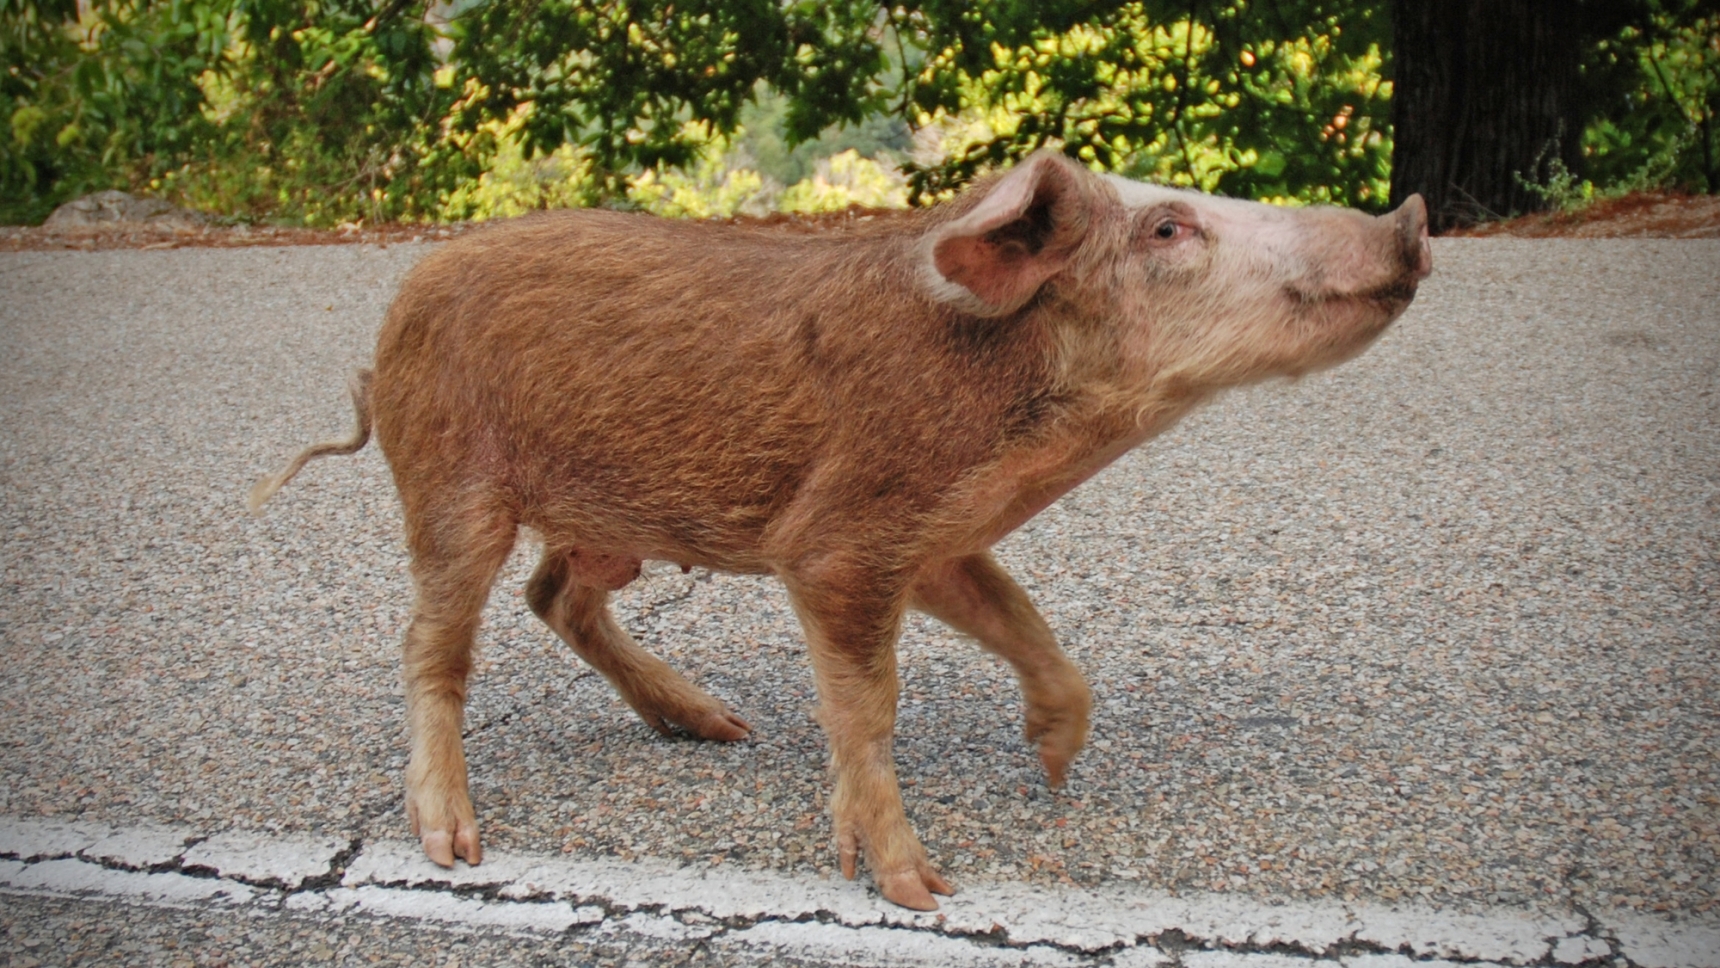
1435 631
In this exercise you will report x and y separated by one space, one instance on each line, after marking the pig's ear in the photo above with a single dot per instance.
994 257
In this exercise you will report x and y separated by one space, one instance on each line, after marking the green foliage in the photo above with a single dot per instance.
843 180
101 101
36 47
1653 92
1209 93
332 110
622 79
329 111
709 187
1659 101
314 111
1206 94
513 182
1562 191
762 138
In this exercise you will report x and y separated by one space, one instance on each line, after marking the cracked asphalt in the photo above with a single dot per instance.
1438 626
65 931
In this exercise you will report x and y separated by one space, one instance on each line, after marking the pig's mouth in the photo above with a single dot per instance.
1390 298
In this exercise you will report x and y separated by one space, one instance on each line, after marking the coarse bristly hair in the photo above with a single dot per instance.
862 413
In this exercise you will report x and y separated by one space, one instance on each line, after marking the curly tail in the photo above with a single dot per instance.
359 385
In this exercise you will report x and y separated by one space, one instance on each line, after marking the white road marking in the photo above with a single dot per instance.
1654 943
550 916
284 860
817 920
890 948
139 847
81 878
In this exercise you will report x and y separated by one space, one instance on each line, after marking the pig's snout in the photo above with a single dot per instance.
1410 220
1349 256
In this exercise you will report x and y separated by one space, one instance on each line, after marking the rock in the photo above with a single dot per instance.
121 210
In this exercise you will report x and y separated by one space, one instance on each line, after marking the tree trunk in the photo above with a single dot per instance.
1484 96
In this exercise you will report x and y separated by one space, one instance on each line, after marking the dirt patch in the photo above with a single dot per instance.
1639 215
15 238
1635 216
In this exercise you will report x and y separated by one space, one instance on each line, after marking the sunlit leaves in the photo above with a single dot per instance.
1207 94
622 78
1659 94
325 111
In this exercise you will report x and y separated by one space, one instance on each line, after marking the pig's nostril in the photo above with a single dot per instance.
1423 265
1418 253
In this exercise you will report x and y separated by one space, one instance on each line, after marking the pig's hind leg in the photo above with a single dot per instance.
579 614
976 597
456 554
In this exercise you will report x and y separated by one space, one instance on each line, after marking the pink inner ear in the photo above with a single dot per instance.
998 269
1003 276
1005 203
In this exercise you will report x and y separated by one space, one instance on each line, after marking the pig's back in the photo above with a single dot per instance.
650 385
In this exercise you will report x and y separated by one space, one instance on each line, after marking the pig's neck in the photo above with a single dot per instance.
1101 423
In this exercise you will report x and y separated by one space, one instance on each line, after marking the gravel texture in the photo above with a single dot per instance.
1439 625
59 933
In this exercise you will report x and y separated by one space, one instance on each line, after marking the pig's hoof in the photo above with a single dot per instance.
1059 742
443 846
1059 727
723 725
911 884
453 832
914 889
696 713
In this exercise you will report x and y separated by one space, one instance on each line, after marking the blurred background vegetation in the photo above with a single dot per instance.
327 112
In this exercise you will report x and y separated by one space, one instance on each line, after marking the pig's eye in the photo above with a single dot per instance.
1171 229
1167 228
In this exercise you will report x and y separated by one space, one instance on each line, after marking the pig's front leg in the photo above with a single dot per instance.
976 597
851 625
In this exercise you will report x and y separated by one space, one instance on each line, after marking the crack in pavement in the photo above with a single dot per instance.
818 921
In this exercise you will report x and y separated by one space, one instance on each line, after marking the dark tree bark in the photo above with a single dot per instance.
1483 91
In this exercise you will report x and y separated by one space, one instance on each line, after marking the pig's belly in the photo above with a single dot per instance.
607 542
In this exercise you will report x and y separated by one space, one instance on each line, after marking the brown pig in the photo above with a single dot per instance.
862 414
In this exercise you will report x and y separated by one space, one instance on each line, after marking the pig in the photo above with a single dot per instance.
861 413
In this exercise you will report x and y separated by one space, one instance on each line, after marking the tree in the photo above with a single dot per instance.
316 110
1284 101
323 111
1653 88
1491 102
99 100
641 84
1484 95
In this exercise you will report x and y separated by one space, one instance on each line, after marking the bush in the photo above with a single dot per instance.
321 112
